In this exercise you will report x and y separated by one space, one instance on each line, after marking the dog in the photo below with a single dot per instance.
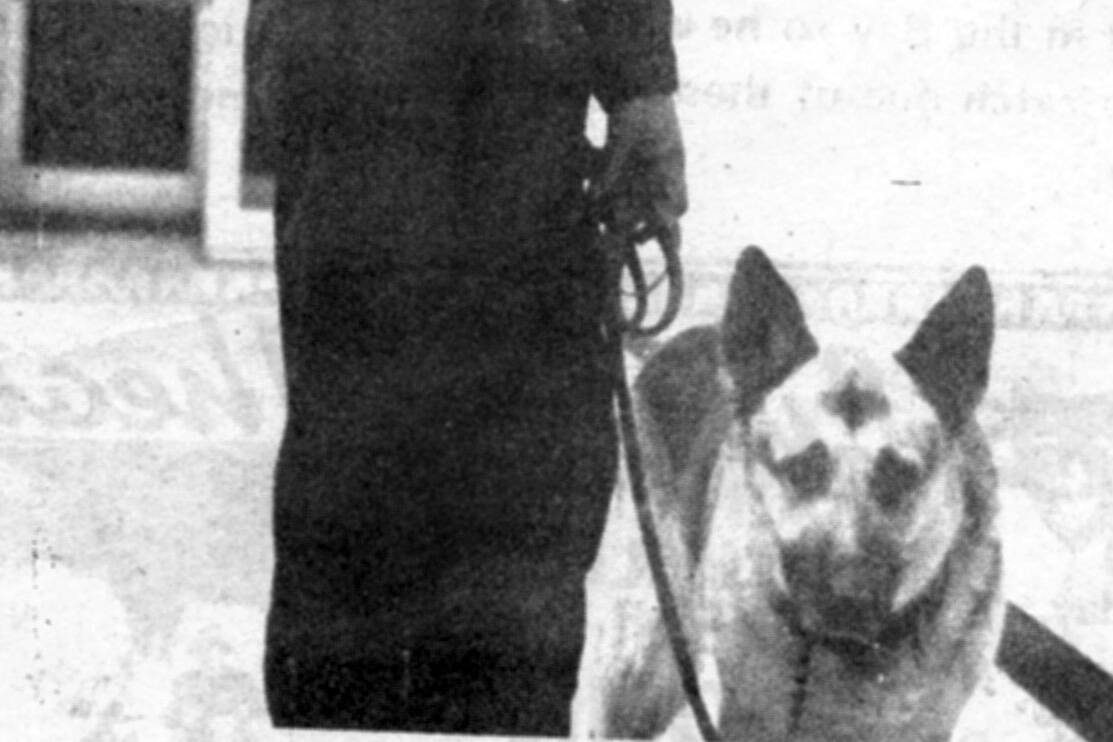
827 515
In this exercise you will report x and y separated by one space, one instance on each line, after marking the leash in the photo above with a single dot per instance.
1061 678
623 253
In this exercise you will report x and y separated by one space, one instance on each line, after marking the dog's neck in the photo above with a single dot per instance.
904 628
904 631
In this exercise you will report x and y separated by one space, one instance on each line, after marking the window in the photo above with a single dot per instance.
132 109
237 194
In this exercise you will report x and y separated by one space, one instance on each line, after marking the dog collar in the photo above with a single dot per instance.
869 659
902 627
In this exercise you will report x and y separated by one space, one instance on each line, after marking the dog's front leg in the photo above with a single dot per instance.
628 685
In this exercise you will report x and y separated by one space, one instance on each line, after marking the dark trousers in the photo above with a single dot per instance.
436 583
449 451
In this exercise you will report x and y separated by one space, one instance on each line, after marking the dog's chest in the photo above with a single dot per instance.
840 702
831 701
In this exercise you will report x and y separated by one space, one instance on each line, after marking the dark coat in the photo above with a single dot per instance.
449 450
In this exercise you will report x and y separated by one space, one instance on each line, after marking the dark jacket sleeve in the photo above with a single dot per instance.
261 62
632 49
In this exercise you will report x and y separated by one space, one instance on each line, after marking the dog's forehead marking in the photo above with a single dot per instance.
855 403
845 393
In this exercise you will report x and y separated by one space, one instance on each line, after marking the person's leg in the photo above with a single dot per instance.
429 573
358 551
441 581
351 527
539 474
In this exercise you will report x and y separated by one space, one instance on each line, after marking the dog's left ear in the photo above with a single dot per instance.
763 333
948 357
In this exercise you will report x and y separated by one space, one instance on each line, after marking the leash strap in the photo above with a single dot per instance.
666 598
1062 679
624 254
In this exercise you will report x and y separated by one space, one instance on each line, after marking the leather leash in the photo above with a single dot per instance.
623 253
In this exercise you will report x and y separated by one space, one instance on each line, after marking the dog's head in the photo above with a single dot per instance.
859 456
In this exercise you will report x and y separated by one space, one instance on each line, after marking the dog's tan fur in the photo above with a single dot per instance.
828 519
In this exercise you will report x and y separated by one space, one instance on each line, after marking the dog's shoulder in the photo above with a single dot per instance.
680 386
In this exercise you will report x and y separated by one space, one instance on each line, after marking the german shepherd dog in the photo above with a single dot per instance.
827 515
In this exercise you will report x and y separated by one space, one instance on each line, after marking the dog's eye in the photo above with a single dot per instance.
808 472
893 478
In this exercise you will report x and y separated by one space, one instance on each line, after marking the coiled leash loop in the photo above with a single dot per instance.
623 253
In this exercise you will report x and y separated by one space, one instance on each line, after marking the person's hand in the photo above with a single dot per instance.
642 192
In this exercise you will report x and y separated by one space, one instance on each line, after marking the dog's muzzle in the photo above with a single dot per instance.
838 598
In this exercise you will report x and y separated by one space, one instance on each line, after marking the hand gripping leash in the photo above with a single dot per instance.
622 253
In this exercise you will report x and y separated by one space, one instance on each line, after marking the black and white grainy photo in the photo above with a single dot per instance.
702 370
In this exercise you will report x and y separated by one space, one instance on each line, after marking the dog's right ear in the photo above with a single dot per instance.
764 335
948 357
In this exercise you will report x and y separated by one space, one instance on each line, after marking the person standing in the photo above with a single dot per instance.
449 448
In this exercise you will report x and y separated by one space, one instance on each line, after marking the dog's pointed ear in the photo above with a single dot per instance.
948 357
764 335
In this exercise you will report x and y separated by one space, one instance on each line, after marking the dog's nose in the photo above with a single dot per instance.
800 566
837 595
809 568
849 618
